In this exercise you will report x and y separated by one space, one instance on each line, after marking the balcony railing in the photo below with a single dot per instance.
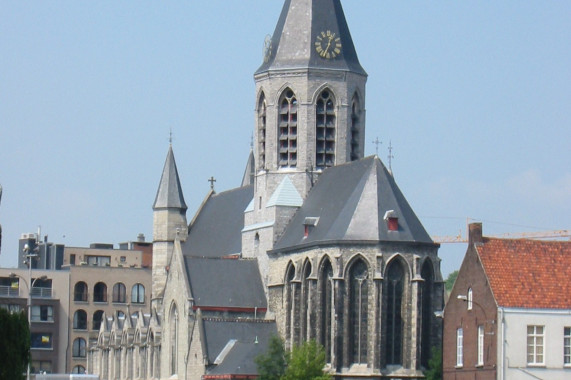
41 292
8 291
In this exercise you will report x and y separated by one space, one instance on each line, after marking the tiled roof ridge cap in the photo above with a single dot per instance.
239 320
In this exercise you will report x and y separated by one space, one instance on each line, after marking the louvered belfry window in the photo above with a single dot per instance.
288 130
325 130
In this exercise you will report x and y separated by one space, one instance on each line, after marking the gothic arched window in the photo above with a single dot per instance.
325 130
355 127
326 288
288 130
289 289
262 123
173 339
358 311
395 287
119 293
305 305
426 321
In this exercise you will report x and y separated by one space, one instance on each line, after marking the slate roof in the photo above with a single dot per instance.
351 201
240 360
216 229
293 41
248 177
169 193
225 283
527 273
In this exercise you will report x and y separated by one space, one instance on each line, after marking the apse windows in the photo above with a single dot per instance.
305 301
358 310
325 130
262 124
326 287
427 311
288 130
355 128
395 289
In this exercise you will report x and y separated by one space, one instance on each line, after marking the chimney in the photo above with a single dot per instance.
475 234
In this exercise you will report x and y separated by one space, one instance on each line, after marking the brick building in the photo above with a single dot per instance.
509 313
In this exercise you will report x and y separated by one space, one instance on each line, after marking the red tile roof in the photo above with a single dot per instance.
528 273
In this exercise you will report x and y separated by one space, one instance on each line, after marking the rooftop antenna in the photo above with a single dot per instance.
390 156
377 142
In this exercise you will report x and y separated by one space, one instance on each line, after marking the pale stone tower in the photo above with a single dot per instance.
310 115
169 222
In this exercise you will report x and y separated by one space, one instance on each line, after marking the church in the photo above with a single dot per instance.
317 242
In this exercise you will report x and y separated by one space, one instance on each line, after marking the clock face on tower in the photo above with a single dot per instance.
328 45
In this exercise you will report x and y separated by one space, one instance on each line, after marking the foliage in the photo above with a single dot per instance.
272 364
434 371
304 362
14 345
450 281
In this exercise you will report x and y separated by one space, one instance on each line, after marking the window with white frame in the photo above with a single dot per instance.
459 347
535 344
470 298
567 346
481 345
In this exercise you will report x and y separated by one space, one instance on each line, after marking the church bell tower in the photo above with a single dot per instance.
310 113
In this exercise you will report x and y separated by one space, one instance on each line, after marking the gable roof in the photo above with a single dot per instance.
229 284
216 230
300 24
527 273
240 359
169 193
351 202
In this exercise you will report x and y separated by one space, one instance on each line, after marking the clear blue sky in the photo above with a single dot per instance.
474 95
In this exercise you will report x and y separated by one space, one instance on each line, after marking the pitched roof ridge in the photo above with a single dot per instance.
237 320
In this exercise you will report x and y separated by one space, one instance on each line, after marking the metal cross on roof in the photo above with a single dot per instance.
212 180
377 142
390 156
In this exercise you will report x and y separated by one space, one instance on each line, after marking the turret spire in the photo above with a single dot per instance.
311 34
169 194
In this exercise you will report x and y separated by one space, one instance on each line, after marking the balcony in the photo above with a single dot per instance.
9 291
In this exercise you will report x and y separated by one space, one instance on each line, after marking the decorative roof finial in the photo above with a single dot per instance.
170 136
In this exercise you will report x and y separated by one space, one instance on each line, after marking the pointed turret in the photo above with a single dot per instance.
311 34
169 194
169 221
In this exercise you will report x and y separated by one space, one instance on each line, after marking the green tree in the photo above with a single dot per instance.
272 364
450 281
14 345
306 362
434 371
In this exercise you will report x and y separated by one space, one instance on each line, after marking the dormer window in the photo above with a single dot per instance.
308 224
392 220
